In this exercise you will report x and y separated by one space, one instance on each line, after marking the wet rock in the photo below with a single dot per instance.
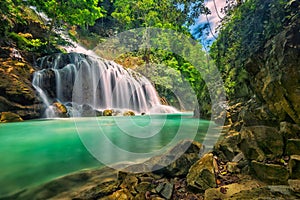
10 117
60 109
270 173
87 111
201 175
128 113
86 184
107 112
294 166
261 142
294 185
293 147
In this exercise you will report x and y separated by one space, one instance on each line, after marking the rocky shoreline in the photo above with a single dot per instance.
189 177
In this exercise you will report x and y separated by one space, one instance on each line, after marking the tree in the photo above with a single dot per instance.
172 14
73 12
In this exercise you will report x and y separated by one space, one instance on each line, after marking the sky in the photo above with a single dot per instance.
213 18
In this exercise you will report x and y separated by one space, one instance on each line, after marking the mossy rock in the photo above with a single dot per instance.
10 117
107 112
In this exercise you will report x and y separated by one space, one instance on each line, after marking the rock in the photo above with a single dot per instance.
238 157
10 117
130 182
260 193
188 152
98 113
270 173
167 190
294 166
122 194
107 112
282 189
175 162
293 147
17 93
294 185
143 187
275 73
261 142
227 191
87 111
201 175
86 184
60 109
128 113
289 130
232 167
227 148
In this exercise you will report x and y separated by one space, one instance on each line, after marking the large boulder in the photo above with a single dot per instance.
201 175
270 173
261 142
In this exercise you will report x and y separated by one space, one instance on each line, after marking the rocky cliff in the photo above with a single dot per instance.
264 128
16 92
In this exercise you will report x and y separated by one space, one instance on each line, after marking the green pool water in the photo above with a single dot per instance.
34 152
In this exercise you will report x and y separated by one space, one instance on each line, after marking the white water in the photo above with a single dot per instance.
77 79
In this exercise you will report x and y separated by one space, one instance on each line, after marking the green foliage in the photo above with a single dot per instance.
171 14
74 12
26 43
9 15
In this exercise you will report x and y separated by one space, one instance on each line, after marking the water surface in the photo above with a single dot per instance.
34 152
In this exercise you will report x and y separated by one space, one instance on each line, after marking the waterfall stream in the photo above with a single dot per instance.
82 82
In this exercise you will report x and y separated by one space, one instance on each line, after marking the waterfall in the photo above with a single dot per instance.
80 81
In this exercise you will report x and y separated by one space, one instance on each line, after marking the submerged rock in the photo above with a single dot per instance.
10 117
86 184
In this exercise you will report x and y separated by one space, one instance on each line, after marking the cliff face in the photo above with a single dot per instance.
16 92
276 74
264 127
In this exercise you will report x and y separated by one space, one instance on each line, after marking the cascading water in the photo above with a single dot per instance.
80 81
